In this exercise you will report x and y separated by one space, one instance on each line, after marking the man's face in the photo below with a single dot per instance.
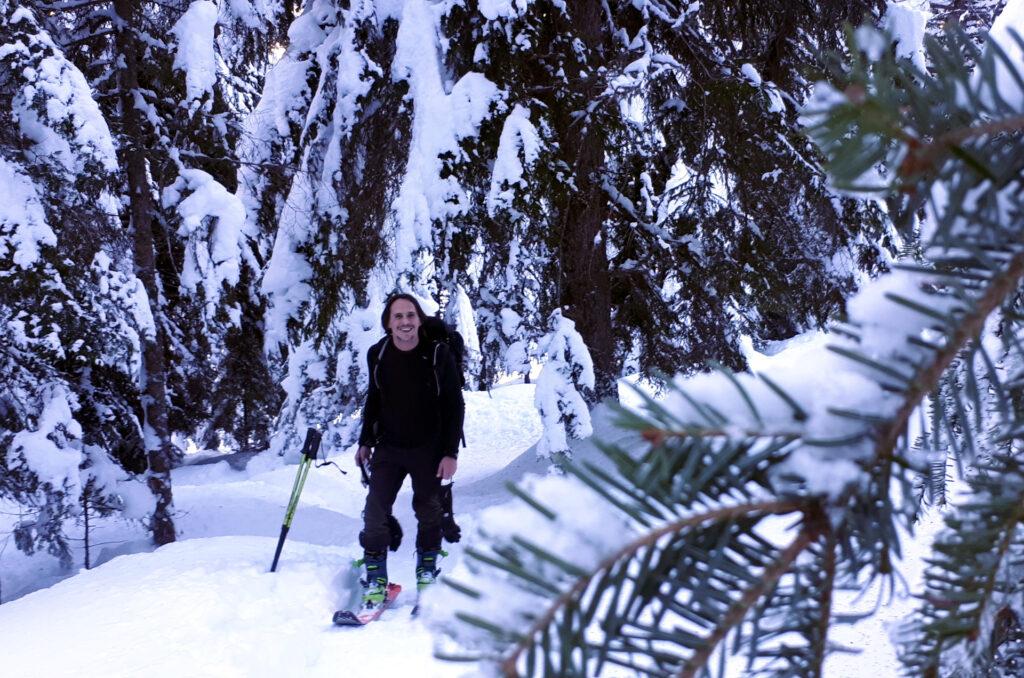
403 321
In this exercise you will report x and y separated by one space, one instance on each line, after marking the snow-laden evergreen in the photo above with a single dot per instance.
563 409
834 440
591 201
205 203
71 312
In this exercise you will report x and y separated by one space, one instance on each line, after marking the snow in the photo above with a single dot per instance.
820 380
518 146
286 275
207 605
23 227
906 23
70 114
52 450
562 408
751 74
213 228
254 15
196 53
442 115
1010 19
186 595
496 9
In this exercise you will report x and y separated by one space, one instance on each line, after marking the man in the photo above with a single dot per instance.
412 420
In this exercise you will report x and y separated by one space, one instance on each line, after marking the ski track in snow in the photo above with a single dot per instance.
207 605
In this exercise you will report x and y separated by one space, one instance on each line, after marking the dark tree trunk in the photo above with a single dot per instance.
586 288
156 433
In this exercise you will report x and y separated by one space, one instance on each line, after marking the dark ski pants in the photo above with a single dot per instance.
388 468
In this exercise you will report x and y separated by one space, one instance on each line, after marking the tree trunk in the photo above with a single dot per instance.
156 432
586 286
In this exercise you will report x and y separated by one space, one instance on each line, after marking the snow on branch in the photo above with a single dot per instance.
196 54
213 226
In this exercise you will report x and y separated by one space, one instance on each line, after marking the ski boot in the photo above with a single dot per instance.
426 568
375 586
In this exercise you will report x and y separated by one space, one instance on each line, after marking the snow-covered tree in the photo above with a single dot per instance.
72 313
567 367
641 173
720 531
366 211
646 160
329 98
170 81
199 67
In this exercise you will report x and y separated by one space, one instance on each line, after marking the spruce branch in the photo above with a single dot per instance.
927 379
820 646
924 156
571 596
658 436
970 567
738 611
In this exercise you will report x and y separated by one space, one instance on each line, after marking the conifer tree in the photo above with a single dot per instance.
73 316
344 142
158 74
567 368
207 65
667 185
643 174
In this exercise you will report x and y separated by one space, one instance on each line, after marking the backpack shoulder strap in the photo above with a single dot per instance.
383 343
439 348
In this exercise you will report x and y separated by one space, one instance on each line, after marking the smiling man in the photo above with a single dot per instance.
412 421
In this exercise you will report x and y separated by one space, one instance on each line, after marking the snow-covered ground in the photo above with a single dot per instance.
207 605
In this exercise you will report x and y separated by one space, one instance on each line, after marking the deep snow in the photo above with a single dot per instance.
207 605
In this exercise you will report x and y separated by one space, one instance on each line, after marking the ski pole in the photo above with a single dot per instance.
309 450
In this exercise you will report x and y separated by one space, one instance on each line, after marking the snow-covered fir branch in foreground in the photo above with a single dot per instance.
662 557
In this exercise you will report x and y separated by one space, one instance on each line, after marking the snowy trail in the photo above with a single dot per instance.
207 606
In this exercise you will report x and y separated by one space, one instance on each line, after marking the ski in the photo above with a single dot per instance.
350 618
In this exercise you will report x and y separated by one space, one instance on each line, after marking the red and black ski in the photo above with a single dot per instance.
350 618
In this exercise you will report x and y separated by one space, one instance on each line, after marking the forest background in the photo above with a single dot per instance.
203 206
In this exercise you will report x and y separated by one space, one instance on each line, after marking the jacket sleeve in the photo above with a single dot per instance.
453 407
371 408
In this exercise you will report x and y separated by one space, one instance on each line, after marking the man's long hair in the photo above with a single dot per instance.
386 315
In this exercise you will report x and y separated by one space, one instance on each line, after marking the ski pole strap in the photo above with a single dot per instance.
365 473
311 448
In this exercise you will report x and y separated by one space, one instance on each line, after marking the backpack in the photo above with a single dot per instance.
438 331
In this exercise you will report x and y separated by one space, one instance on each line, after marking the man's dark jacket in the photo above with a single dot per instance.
446 395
